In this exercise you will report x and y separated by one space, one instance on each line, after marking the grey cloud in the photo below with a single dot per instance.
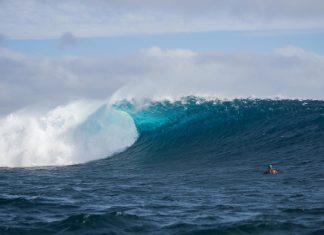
289 72
274 7
27 80
48 19
2 38
68 40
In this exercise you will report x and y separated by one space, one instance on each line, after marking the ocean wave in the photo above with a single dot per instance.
191 128
197 128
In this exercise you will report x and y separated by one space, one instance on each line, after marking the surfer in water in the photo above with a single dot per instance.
271 171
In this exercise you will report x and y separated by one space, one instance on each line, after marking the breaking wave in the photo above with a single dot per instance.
190 128
72 134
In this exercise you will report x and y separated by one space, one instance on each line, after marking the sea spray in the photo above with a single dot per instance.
65 135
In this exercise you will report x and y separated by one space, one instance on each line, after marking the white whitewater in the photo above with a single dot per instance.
76 133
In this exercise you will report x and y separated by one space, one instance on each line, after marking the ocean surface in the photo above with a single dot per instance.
195 167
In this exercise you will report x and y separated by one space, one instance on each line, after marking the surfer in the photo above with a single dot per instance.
271 171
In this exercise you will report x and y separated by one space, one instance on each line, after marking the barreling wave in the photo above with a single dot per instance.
191 128
199 129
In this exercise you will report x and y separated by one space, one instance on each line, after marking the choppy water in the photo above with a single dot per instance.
196 168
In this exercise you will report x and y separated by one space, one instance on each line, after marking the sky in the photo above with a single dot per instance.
55 52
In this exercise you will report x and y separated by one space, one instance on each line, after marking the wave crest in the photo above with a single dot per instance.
71 134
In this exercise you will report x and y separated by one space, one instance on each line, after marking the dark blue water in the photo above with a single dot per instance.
197 168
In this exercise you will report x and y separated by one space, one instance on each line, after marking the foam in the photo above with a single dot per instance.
75 133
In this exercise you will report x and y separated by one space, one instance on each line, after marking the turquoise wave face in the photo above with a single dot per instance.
194 127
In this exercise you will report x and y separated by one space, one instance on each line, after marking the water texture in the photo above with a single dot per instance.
195 167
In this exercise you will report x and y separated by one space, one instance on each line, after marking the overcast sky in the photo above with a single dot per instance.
55 52
98 18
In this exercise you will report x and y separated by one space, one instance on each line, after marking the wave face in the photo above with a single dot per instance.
215 130
71 134
191 128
